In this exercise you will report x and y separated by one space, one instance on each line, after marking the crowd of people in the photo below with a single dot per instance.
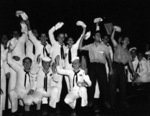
37 67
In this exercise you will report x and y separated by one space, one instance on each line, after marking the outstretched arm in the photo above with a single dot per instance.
82 24
52 30
112 38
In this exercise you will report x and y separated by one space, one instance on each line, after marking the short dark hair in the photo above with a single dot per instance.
26 59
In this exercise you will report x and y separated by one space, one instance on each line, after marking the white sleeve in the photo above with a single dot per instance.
63 71
34 40
87 79
51 35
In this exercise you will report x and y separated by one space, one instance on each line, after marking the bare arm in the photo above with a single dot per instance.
112 38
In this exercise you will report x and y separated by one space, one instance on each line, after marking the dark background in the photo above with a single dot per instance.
132 15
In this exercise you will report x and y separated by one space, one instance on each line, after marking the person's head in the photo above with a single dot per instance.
61 38
133 52
15 34
70 41
4 39
35 33
105 39
126 41
27 62
140 56
120 40
97 36
43 38
76 63
46 63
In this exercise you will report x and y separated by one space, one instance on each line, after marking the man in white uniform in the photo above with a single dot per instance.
25 83
79 82
72 50
46 84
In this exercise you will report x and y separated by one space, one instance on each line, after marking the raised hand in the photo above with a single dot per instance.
23 15
87 35
81 23
97 20
59 25
117 28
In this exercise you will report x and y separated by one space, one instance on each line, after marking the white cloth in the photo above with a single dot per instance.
21 90
52 89
76 90
39 47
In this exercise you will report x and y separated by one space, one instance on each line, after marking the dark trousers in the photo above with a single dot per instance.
98 73
118 80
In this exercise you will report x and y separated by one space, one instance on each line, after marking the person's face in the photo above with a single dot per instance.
70 41
76 64
61 38
27 64
133 53
35 33
106 39
16 34
4 39
126 41
140 56
46 65
43 38
97 37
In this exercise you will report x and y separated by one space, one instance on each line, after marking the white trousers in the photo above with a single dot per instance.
74 94
17 94
51 93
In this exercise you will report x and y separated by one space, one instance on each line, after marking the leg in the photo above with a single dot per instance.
70 99
14 100
53 97
83 95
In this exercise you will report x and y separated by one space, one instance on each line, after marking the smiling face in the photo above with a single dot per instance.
70 41
46 65
76 64
61 38
27 62
43 38
97 37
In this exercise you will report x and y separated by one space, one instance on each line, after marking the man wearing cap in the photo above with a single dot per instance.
78 80
46 84
25 83
72 50
99 54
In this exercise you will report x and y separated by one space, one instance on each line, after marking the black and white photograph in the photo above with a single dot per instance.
75 58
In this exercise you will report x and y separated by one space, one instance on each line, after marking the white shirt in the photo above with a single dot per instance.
70 73
21 76
40 79
55 50
38 46
74 52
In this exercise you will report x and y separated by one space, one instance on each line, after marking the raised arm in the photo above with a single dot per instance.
82 24
113 39
52 30
31 35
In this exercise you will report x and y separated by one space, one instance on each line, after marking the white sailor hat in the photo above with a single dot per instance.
47 59
75 58
147 53
133 48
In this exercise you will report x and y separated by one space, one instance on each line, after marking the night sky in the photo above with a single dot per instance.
132 15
